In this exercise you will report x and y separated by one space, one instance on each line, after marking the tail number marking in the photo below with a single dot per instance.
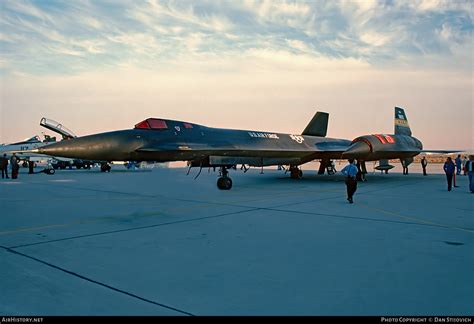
297 138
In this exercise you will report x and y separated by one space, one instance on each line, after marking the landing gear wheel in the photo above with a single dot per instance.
224 183
49 171
105 167
296 173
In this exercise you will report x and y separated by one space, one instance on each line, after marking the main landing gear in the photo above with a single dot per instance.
224 182
295 172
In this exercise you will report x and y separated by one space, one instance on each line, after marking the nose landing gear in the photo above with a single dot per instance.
224 182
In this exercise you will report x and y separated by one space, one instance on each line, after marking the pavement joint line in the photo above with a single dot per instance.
135 228
102 218
193 200
342 190
422 221
306 201
334 197
28 229
213 202
413 221
274 208
177 199
96 282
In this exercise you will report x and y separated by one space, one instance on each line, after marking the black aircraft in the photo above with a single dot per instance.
164 140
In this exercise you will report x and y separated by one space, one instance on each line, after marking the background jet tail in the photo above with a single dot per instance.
318 126
401 122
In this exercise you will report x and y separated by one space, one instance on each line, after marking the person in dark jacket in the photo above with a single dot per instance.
469 167
449 169
458 164
404 166
15 166
350 171
31 166
4 166
424 163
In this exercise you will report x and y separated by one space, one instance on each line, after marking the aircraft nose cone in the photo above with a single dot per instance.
113 146
356 150
88 147
61 149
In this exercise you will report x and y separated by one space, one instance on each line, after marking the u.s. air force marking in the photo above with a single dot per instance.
263 135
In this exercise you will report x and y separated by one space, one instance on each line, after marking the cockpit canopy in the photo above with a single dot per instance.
57 128
32 140
152 123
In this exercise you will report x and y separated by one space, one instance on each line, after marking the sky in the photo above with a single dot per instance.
98 66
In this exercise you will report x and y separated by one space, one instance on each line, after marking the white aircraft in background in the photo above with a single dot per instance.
27 145
23 149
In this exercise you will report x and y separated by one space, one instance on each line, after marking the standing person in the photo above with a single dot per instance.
449 169
424 163
458 164
350 171
470 172
359 172
14 165
405 167
4 166
464 162
364 172
31 166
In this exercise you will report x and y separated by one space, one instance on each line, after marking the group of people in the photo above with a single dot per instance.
451 169
461 164
351 171
14 166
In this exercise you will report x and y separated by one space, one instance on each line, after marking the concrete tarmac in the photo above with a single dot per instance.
158 242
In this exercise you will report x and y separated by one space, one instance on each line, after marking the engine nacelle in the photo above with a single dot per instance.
382 146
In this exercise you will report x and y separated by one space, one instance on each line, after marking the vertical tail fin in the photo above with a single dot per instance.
318 126
401 122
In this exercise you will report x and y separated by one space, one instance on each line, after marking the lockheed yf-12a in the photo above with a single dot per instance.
163 140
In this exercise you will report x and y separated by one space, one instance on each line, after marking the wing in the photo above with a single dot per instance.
442 151
287 150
